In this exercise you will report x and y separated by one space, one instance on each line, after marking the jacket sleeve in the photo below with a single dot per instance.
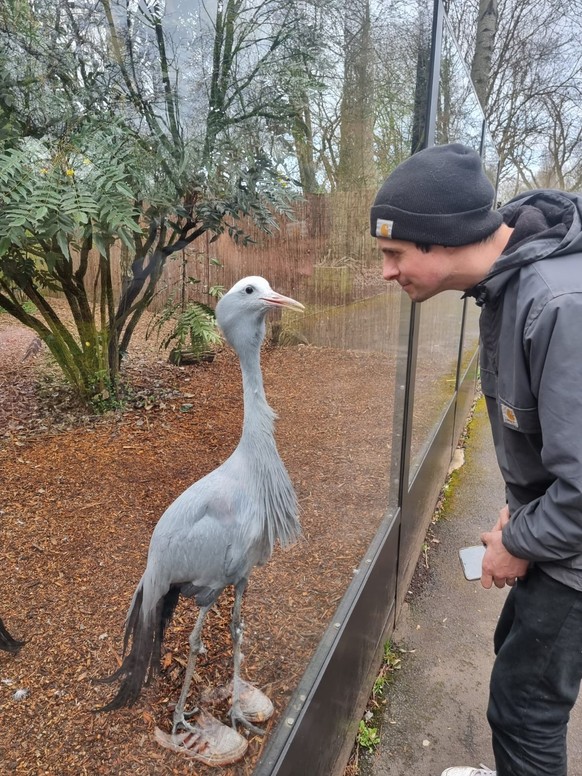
550 527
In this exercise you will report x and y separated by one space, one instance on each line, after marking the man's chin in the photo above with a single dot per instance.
416 295
412 292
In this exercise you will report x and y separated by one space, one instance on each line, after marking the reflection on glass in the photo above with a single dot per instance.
459 114
490 157
436 368
459 119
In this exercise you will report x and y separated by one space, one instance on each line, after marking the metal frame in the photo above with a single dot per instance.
317 730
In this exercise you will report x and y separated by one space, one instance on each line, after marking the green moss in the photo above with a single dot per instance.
447 494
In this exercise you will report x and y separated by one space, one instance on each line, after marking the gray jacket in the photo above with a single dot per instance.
531 375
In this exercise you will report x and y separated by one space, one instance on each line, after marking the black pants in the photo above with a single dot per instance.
536 676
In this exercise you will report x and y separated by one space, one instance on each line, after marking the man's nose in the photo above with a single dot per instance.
389 270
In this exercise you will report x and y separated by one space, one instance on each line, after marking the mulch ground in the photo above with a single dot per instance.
80 496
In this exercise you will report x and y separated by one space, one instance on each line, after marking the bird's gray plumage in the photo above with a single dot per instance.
226 523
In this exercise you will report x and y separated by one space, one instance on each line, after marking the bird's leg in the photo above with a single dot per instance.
236 629
196 647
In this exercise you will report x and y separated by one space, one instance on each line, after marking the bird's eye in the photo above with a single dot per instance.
249 290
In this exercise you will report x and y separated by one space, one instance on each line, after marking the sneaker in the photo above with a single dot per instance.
208 741
468 771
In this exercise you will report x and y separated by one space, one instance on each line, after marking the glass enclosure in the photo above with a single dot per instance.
252 138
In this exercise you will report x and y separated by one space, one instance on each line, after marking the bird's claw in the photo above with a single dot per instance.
179 722
238 717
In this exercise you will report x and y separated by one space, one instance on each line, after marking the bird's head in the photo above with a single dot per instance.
241 312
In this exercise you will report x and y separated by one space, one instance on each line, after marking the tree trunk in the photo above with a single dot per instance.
485 39
303 137
418 141
356 171
356 165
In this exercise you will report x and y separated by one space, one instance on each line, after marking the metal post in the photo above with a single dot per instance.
434 71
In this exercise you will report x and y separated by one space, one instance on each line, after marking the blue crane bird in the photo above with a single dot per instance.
222 526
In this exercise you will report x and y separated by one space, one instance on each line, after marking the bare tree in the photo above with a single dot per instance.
525 61
559 163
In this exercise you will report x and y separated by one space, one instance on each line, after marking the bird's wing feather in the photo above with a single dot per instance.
207 535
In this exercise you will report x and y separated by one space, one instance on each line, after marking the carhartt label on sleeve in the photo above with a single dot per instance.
509 416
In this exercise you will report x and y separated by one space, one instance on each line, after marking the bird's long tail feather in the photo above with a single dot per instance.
146 630
7 642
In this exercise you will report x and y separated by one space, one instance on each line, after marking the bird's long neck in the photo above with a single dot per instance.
259 418
275 499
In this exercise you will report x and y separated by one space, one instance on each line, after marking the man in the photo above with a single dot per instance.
436 229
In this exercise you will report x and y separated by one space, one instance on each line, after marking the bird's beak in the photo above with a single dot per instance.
273 299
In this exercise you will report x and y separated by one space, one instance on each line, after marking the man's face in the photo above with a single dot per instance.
421 275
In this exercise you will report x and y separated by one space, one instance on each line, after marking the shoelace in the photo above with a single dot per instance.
485 771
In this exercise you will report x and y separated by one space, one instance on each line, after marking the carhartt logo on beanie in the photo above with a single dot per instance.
438 196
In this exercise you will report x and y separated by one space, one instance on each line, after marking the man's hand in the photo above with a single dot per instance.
503 519
500 567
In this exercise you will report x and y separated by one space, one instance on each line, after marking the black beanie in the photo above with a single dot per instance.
438 196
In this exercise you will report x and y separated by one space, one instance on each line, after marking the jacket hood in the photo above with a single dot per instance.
545 223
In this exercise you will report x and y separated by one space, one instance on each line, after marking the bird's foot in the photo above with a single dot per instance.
179 721
251 705
237 717
191 713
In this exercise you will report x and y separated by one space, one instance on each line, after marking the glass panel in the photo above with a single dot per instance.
185 145
459 119
436 368
459 115
332 380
